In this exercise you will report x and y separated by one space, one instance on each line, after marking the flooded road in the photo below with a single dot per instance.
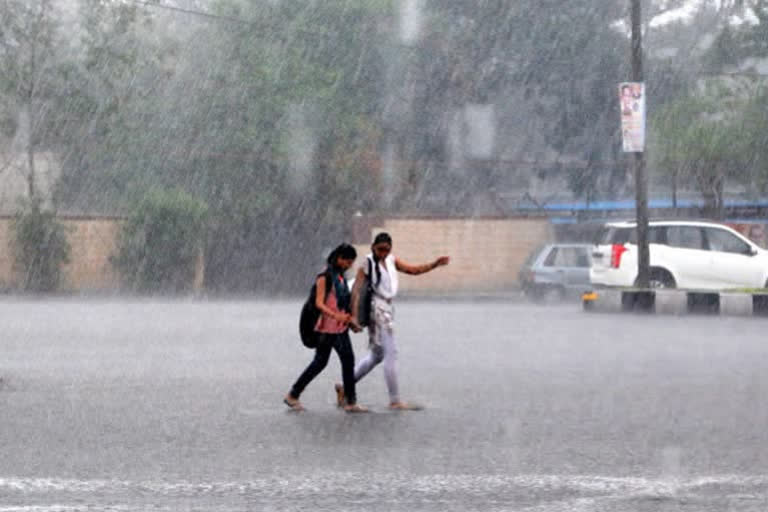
176 405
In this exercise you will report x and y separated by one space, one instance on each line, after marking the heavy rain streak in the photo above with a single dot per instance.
526 243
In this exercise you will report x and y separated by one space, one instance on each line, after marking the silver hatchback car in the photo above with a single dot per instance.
556 271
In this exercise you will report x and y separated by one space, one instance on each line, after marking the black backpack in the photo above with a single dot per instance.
310 313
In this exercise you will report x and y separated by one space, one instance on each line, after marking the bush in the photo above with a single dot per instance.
40 248
159 244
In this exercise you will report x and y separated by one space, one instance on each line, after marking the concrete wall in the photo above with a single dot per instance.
92 241
486 254
7 277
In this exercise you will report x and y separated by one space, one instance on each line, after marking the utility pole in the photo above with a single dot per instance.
638 158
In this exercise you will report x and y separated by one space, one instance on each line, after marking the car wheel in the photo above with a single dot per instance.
531 293
660 278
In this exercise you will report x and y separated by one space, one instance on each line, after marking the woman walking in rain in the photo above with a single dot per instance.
332 329
384 267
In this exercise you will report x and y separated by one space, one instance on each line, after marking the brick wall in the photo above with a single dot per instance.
486 254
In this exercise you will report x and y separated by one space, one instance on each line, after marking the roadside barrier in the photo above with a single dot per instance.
677 302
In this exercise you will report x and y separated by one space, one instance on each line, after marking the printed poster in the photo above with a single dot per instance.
632 103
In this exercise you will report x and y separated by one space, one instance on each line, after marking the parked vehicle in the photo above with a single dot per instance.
555 271
683 254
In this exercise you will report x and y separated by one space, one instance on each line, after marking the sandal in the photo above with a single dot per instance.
293 403
341 399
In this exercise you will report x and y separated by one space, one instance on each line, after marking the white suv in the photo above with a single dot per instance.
683 254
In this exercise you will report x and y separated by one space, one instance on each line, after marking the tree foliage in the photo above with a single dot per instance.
714 134
161 241
548 67
702 139
41 248
286 118
30 79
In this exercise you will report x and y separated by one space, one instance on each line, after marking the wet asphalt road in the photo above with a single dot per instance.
176 405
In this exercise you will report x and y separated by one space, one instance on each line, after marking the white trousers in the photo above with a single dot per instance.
382 348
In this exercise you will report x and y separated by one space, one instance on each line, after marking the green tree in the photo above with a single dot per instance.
41 247
716 134
29 76
556 62
161 241
755 128
737 43
702 139
105 123
324 62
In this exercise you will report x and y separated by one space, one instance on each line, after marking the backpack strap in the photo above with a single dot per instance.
370 272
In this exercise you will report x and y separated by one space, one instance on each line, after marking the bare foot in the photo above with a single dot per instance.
405 406
340 398
355 408
293 403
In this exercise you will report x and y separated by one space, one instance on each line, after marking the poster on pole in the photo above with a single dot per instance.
632 103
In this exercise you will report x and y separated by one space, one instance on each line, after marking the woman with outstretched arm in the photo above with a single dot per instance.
384 268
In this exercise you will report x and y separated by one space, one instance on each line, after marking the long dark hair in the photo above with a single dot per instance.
336 275
381 238
345 251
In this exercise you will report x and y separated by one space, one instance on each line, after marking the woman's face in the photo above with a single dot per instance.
344 263
381 250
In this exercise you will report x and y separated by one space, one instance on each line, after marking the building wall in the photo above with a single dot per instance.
486 254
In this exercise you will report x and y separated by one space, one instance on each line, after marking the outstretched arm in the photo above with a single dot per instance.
415 270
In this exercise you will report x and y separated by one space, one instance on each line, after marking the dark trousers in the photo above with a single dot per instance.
343 347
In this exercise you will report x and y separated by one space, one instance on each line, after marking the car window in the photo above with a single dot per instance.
582 257
722 241
567 257
618 236
686 237
657 235
550 259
